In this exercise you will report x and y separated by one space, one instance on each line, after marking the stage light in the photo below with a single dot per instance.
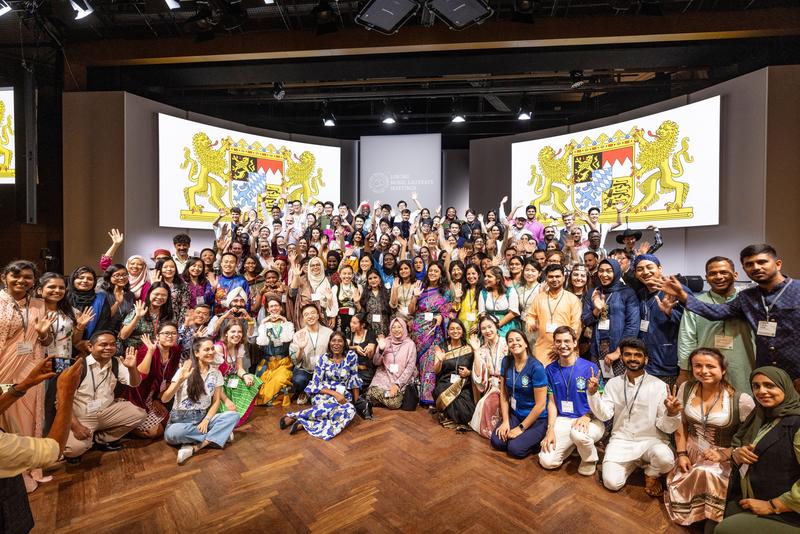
82 8
325 17
577 79
386 16
387 115
525 112
523 11
460 14
4 8
328 118
458 118
278 91
269 2
172 4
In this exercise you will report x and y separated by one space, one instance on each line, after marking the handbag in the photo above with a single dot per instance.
363 408
410 398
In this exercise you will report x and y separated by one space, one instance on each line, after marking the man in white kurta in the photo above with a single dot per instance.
645 412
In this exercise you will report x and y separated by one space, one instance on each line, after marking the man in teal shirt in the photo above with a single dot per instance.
733 337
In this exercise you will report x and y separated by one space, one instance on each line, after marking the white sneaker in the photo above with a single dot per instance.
185 453
230 438
587 469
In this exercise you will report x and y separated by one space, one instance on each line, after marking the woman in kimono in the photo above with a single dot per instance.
453 366
429 307
333 389
275 370
489 354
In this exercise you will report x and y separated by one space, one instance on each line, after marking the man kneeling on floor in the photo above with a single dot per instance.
645 412
97 420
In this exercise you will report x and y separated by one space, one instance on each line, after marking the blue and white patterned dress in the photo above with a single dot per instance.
326 417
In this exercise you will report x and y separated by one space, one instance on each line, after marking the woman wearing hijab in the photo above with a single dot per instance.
765 496
136 266
81 295
310 286
612 312
395 367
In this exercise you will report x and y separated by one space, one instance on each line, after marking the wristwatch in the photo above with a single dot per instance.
521 427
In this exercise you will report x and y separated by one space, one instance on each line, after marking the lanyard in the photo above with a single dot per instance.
571 372
777 297
25 319
646 307
313 343
526 296
625 391
552 310
704 416
514 377
95 386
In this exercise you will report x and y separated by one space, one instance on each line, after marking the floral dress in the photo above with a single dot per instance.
427 335
326 417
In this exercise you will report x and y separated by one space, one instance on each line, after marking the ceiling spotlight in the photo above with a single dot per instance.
327 116
387 115
172 4
525 112
269 2
325 17
458 118
4 8
82 8
458 112
278 91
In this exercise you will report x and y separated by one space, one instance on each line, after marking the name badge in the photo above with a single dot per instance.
283 298
351 311
644 326
513 403
233 382
393 368
428 316
604 324
376 317
767 328
403 310
200 300
550 328
316 297
24 348
454 378
607 370
340 389
723 342
388 285
471 317
566 407
93 406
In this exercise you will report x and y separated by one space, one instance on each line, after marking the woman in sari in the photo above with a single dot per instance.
333 390
764 495
24 333
712 413
467 298
275 370
429 306
157 361
453 366
241 388
499 301
489 354
395 367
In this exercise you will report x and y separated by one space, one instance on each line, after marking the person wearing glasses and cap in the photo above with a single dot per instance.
629 238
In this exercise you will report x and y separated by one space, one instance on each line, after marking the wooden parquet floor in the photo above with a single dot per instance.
400 472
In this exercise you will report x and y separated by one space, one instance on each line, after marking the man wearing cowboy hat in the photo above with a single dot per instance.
629 237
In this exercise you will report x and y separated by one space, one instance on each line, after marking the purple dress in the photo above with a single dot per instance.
428 336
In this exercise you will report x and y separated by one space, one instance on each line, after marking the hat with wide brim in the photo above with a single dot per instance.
635 233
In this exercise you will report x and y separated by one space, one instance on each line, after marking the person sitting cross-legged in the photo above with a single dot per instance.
570 423
645 412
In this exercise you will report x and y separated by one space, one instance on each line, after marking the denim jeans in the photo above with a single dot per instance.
219 428
300 380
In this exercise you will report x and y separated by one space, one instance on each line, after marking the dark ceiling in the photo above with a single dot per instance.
563 85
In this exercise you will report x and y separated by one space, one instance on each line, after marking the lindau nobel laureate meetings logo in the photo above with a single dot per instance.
378 182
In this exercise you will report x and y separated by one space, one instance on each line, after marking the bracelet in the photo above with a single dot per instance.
16 392
682 453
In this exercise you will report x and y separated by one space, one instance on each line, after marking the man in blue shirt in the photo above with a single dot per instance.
569 419
771 308
659 321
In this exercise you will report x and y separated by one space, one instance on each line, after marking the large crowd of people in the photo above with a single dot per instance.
525 330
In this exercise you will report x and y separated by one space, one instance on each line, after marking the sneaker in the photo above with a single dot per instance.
302 399
230 438
587 469
185 453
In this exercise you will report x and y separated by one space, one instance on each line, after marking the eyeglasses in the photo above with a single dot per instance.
120 276
168 334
